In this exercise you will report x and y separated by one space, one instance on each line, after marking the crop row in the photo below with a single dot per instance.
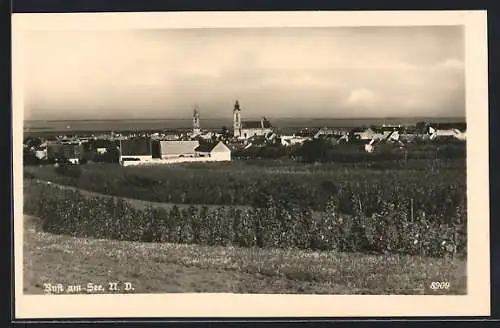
275 225
435 192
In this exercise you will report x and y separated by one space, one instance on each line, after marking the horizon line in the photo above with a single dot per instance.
250 118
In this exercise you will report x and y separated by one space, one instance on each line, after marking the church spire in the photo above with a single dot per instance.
237 119
196 120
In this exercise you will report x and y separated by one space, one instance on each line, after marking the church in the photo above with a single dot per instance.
248 129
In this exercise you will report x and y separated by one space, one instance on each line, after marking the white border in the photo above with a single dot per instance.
477 302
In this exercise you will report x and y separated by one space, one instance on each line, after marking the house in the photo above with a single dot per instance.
101 143
178 148
461 126
424 127
390 127
306 133
390 137
368 134
41 154
324 132
328 133
455 133
258 141
271 136
293 140
71 152
215 151
136 149
207 135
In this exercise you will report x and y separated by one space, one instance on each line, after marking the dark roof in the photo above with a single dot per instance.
206 147
103 143
136 146
262 124
252 125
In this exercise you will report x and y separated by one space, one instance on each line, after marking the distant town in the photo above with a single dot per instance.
245 139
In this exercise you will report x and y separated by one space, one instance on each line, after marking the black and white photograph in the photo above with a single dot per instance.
248 156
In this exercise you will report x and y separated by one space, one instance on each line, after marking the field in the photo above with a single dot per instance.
432 189
154 268
273 226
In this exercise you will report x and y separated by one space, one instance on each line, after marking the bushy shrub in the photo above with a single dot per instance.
69 170
277 225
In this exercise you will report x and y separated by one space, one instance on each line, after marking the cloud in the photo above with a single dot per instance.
361 97
451 64
369 71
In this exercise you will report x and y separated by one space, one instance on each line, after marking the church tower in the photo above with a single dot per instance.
196 121
237 119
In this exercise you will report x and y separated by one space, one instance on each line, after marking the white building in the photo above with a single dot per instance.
293 140
215 151
135 150
101 151
456 133
369 134
41 154
177 152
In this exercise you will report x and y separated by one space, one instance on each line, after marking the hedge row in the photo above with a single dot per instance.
319 150
69 212
436 192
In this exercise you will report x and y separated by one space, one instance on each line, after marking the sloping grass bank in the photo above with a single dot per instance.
165 268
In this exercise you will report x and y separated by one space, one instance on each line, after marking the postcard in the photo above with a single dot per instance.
251 164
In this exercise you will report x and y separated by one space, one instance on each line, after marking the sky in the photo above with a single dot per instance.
353 72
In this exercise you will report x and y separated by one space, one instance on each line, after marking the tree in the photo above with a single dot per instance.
29 158
314 150
32 142
225 132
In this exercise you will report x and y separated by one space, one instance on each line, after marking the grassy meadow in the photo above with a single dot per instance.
170 268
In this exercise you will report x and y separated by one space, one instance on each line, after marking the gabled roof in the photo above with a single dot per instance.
368 130
262 124
220 148
205 147
209 147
